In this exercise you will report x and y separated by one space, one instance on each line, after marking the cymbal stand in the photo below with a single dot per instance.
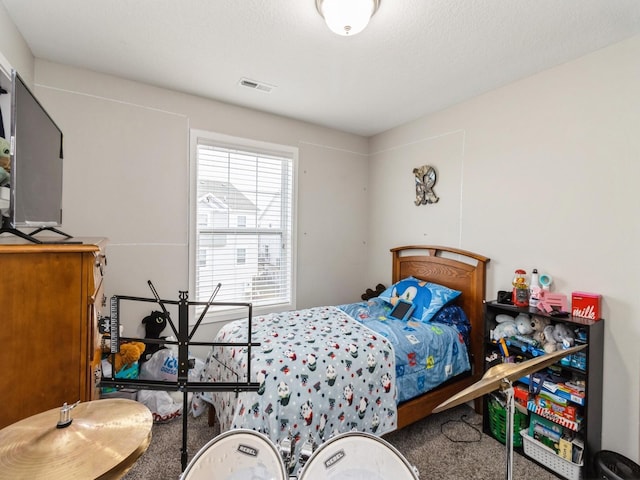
501 377
510 413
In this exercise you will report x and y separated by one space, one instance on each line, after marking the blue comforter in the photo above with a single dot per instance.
427 354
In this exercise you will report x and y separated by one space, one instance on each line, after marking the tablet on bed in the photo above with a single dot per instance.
402 310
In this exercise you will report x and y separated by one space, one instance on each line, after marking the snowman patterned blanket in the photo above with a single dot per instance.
320 373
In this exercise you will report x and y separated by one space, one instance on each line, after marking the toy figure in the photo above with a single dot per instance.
5 162
154 324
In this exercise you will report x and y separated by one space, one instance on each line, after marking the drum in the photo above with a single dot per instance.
357 456
239 454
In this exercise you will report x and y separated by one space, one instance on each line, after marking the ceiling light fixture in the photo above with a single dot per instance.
347 17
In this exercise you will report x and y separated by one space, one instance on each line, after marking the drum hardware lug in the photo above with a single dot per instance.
285 447
65 414
306 451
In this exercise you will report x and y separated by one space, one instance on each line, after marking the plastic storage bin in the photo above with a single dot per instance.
547 457
498 422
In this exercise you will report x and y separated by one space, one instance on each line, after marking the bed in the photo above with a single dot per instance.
326 370
461 270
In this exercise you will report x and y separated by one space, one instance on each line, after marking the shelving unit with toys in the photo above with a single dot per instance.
563 403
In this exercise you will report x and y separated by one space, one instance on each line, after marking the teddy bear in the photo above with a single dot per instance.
129 353
538 324
523 324
154 324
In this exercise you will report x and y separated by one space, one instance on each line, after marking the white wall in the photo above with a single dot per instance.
127 178
14 51
542 173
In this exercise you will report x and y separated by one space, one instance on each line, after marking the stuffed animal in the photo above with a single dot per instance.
129 353
506 327
369 293
5 161
549 343
5 149
538 324
564 336
502 317
523 324
154 324
557 337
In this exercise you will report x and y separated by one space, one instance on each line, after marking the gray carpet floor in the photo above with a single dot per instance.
445 446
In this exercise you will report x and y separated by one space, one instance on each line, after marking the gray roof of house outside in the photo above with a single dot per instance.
225 193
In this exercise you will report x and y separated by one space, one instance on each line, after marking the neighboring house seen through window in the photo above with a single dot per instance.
243 202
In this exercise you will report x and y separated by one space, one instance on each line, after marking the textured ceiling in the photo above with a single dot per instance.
414 58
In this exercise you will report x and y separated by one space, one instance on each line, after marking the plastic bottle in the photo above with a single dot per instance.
520 294
534 289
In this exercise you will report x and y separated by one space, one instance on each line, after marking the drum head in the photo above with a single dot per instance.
357 456
237 455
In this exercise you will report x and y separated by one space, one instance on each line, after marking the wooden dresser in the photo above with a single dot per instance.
50 299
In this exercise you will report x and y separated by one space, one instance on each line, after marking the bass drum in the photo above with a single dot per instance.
239 454
357 456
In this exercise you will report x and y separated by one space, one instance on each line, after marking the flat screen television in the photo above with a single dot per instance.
35 185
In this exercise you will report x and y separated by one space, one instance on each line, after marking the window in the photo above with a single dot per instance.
242 204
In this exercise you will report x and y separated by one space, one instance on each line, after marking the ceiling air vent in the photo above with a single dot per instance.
263 87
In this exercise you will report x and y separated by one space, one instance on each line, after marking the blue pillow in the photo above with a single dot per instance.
427 297
454 316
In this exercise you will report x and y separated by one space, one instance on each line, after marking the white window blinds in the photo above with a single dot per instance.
243 224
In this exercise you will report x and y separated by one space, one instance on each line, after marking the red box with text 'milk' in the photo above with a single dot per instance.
586 305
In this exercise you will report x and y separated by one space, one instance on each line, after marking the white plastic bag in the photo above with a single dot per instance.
163 365
164 407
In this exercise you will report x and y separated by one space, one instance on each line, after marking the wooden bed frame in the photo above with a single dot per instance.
460 270
457 269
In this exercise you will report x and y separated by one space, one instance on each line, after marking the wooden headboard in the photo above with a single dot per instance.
458 269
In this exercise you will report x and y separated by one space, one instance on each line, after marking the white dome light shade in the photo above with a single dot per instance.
347 17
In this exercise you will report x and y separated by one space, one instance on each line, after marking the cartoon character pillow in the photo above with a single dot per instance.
427 297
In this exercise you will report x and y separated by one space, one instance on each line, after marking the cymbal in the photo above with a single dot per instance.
104 437
120 471
496 375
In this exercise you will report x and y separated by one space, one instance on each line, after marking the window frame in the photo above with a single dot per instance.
227 141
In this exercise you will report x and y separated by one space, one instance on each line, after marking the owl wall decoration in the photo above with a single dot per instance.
425 177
